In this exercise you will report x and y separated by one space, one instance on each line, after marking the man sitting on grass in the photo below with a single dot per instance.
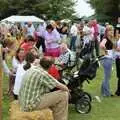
35 92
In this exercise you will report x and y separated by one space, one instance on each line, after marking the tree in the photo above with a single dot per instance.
50 8
106 10
61 9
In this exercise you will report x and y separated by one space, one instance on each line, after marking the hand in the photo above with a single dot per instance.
36 62
6 50
118 49
106 52
11 73
69 94
49 41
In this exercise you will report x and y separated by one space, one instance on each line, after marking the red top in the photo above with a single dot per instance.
26 46
53 71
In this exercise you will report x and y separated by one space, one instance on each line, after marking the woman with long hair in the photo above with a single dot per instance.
17 60
29 59
107 46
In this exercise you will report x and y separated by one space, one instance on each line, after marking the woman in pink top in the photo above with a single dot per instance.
52 38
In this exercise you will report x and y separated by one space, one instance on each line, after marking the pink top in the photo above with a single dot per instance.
52 39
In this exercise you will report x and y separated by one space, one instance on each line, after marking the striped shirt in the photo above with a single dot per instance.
36 82
67 57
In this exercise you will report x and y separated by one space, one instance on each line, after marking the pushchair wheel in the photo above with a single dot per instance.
87 96
83 106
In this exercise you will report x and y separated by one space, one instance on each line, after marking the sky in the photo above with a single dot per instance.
83 9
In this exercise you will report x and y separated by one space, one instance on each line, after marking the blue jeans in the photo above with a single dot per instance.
72 43
107 65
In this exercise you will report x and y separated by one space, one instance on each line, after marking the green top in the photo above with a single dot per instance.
36 82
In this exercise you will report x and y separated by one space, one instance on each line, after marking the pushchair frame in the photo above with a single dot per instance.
76 80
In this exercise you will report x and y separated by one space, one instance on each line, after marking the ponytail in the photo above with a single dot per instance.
27 66
29 58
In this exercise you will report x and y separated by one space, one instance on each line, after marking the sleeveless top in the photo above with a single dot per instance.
109 48
109 44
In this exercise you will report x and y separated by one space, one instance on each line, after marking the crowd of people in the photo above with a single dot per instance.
34 75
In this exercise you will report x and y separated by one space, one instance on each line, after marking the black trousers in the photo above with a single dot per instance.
97 47
101 37
15 97
41 42
118 76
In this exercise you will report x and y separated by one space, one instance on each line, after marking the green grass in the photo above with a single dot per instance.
108 109
6 100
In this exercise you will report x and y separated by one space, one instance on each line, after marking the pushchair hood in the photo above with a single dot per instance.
88 69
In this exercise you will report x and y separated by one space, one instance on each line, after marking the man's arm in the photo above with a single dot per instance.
62 87
52 82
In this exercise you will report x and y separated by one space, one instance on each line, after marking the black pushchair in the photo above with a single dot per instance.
74 81
87 50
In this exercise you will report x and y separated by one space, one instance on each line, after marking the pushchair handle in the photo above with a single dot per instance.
88 81
100 57
65 66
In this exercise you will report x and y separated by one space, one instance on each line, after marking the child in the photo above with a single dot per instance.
53 71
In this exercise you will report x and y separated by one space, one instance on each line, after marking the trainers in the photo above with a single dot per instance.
98 98
111 95
117 94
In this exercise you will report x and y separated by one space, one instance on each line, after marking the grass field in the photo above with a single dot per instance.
107 109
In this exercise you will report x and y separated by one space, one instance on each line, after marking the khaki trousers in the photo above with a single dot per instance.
58 102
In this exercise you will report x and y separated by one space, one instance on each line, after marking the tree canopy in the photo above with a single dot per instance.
106 10
49 8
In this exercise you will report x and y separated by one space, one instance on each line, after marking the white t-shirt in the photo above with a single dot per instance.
74 30
16 63
117 54
88 34
30 30
18 80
